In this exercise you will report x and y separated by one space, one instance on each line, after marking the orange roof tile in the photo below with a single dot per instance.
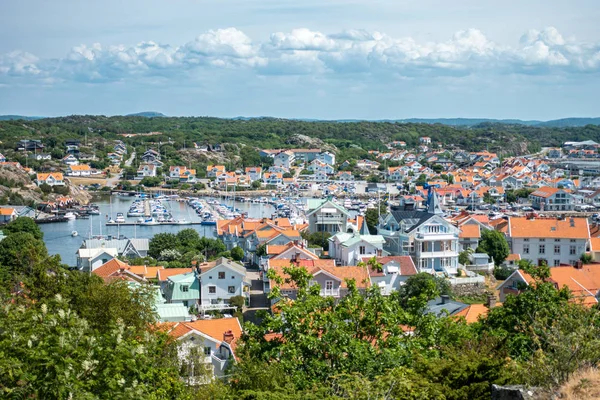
165 273
521 227
469 231
473 312
7 211
109 268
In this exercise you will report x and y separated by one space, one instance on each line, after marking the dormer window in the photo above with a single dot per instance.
185 288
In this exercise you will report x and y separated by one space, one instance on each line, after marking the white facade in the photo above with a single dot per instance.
327 158
284 159
350 249
221 283
553 251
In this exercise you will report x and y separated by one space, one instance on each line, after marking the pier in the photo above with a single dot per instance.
153 224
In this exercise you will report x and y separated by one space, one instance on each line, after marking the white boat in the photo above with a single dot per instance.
70 216
183 222
120 218
74 233
150 221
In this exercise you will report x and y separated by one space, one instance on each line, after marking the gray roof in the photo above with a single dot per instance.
419 217
436 307
119 244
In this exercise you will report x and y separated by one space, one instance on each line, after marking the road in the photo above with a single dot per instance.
114 180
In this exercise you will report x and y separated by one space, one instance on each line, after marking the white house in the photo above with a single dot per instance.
551 199
205 347
326 216
394 271
431 240
319 166
273 178
182 174
212 171
254 173
90 259
548 240
220 280
79 170
7 214
50 178
352 248
145 170
425 140
327 158
70 159
284 159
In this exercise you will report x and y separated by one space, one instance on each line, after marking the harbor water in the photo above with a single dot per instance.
59 240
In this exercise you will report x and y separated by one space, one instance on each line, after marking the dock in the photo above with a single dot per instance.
155 224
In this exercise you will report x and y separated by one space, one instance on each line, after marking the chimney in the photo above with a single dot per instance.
491 301
445 299
578 264
228 337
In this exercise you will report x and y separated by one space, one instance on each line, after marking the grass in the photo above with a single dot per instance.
87 181
473 299
583 385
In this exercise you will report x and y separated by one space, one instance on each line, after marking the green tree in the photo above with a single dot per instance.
52 341
23 224
45 188
423 287
20 252
188 239
160 242
256 184
237 253
372 217
495 245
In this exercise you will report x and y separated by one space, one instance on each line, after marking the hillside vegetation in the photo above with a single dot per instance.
506 139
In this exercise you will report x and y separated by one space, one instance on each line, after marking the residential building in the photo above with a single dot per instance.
352 248
551 199
50 178
183 289
29 145
70 159
306 155
331 279
273 178
146 170
212 171
37 157
206 342
327 158
220 280
72 146
284 159
7 214
254 173
79 170
426 236
88 259
582 280
131 248
425 140
326 216
548 240
394 271
182 174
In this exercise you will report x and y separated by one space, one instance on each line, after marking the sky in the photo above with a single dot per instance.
321 59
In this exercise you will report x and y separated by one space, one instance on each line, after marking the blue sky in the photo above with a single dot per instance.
328 59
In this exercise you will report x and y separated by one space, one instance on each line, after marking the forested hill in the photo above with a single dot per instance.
506 139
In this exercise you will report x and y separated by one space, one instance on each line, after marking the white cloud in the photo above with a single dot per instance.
306 52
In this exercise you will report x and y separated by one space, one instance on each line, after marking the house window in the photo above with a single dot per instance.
572 250
207 351
542 249
556 263
212 289
526 240
231 289
328 285
185 288
525 249
556 249
362 250
557 240
572 240
232 277
221 275
542 240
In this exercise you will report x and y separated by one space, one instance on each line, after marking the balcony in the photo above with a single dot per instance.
437 254
330 292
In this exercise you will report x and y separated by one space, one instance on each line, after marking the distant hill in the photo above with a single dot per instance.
147 114
561 123
14 117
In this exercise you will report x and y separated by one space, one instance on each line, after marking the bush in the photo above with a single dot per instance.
501 273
